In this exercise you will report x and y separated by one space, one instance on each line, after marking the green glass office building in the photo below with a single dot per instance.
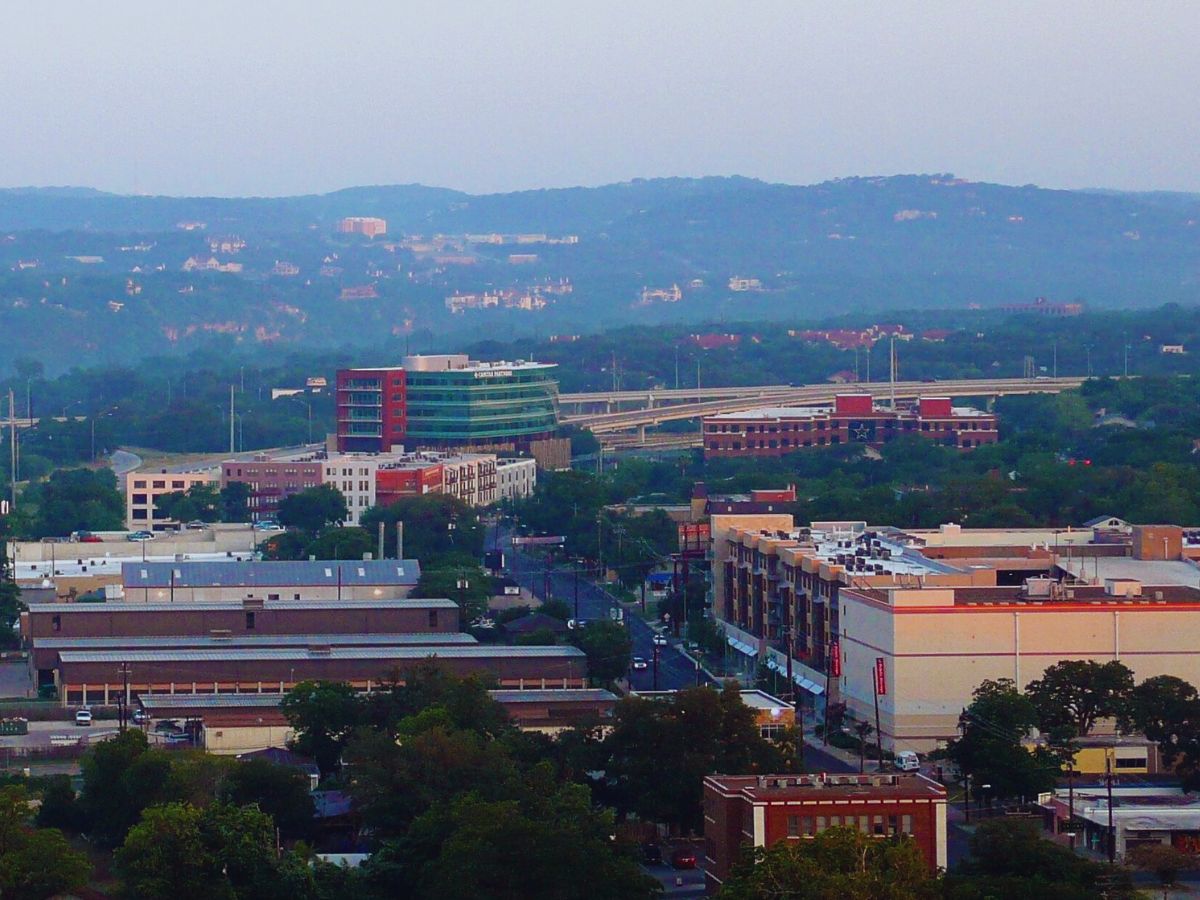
447 401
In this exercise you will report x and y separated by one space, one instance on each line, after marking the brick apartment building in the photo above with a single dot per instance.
270 481
853 418
761 811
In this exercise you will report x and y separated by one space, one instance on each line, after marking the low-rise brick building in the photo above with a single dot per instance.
763 810
853 419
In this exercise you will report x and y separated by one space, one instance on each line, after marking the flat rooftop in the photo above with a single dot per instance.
265 574
1147 571
766 788
566 695
72 561
131 606
771 412
209 642
244 654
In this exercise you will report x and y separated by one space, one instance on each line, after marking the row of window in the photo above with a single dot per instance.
161 484
877 825
835 425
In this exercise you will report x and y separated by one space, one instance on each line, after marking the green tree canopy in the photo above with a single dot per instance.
313 509
323 713
991 750
608 647
838 862
1073 694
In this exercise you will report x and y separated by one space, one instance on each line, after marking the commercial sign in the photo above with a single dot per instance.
493 373
541 540
880 677
835 659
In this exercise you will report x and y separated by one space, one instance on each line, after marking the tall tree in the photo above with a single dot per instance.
313 509
838 862
990 747
608 647
1074 693
323 713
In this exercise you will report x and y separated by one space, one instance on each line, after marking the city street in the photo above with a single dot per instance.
674 669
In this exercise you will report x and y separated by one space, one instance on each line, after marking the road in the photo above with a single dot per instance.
122 462
675 670
808 395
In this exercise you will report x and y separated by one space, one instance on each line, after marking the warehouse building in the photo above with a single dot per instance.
99 676
175 582
239 617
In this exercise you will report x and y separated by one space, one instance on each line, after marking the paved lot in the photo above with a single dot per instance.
40 733
15 680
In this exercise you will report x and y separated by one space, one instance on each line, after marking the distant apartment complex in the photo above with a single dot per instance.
942 610
854 418
366 480
142 490
447 401
368 226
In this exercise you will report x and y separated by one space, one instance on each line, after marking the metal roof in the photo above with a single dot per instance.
209 701
274 573
565 695
186 641
123 606
246 654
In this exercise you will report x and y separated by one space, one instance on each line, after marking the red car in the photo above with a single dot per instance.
683 858
91 539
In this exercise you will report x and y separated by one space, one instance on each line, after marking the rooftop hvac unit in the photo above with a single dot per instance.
1038 587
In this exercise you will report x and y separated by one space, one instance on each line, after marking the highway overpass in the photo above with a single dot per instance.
799 395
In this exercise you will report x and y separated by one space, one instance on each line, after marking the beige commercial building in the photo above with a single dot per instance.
143 488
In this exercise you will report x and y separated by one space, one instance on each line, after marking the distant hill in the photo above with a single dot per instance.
869 244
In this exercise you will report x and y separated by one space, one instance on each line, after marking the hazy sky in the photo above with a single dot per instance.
254 97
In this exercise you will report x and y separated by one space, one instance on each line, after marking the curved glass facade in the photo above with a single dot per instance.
482 404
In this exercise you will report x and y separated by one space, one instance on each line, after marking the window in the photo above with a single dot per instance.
57 623
1131 762
139 498
793 826
272 596
249 621
160 484
433 622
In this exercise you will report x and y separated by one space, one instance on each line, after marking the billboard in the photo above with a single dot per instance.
880 677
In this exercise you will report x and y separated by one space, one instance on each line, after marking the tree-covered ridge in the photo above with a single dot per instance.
870 244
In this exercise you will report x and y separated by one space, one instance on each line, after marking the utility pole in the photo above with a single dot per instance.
1112 835
892 355
231 434
575 572
399 540
880 688
123 699
381 527
12 428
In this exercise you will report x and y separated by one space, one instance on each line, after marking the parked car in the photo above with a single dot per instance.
86 537
652 854
660 640
684 858
268 525
140 717
139 536
196 525
177 737
83 717
167 726
639 663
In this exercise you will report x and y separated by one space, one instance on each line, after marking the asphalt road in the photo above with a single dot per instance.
674 669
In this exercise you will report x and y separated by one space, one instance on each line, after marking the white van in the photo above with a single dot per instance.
83 717
908 761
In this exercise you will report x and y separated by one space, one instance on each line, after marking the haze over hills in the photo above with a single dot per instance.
102 274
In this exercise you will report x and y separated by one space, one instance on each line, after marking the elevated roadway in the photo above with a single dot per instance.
807 395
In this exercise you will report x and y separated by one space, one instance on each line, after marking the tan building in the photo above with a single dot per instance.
938 644
949 607
142 488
